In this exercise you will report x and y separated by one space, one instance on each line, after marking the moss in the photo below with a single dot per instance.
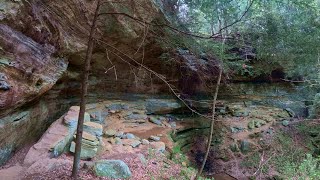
251 161
311 133
5 154
288 152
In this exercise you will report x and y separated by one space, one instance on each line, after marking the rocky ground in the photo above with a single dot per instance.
146 141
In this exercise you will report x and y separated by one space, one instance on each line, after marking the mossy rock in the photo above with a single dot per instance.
246 146
115 169
234 147
251 124
256 123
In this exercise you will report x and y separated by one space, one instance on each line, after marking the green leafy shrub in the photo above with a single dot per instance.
309 168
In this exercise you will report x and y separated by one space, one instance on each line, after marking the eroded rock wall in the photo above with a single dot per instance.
43 43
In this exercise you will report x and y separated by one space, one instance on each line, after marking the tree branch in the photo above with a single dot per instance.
238 20
162 78
216 35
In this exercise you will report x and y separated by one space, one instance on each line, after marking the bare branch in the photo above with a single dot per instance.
238 20
161 77
216 35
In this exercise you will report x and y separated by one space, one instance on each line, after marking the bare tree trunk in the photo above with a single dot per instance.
84 90
212 124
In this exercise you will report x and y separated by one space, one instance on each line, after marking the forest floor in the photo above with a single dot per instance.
243 147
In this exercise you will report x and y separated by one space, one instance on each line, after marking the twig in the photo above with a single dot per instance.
145 33
115 73
109 69
262 163
114 66
212 124
287 80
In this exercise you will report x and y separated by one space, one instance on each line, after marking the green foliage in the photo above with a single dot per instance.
282 32
251 161
286 158
311 133
309 168
291 160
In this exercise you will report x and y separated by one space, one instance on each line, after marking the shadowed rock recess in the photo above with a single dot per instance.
42 50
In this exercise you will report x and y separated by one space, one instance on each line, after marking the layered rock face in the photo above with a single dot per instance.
43 43
42 50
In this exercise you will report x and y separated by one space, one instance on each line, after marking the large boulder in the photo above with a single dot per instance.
55 140
115 169
162 106
42 43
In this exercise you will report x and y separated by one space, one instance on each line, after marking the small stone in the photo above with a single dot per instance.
130 136
158 146
234 147
166 124
117 140
135 143
269 131
173 124
110 132
259 123
131 142
251 124
240 113
119 134
155 120
285 123
145 142
155 138
234 130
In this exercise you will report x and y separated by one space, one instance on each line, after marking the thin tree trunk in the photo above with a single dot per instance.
84 90
212 124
